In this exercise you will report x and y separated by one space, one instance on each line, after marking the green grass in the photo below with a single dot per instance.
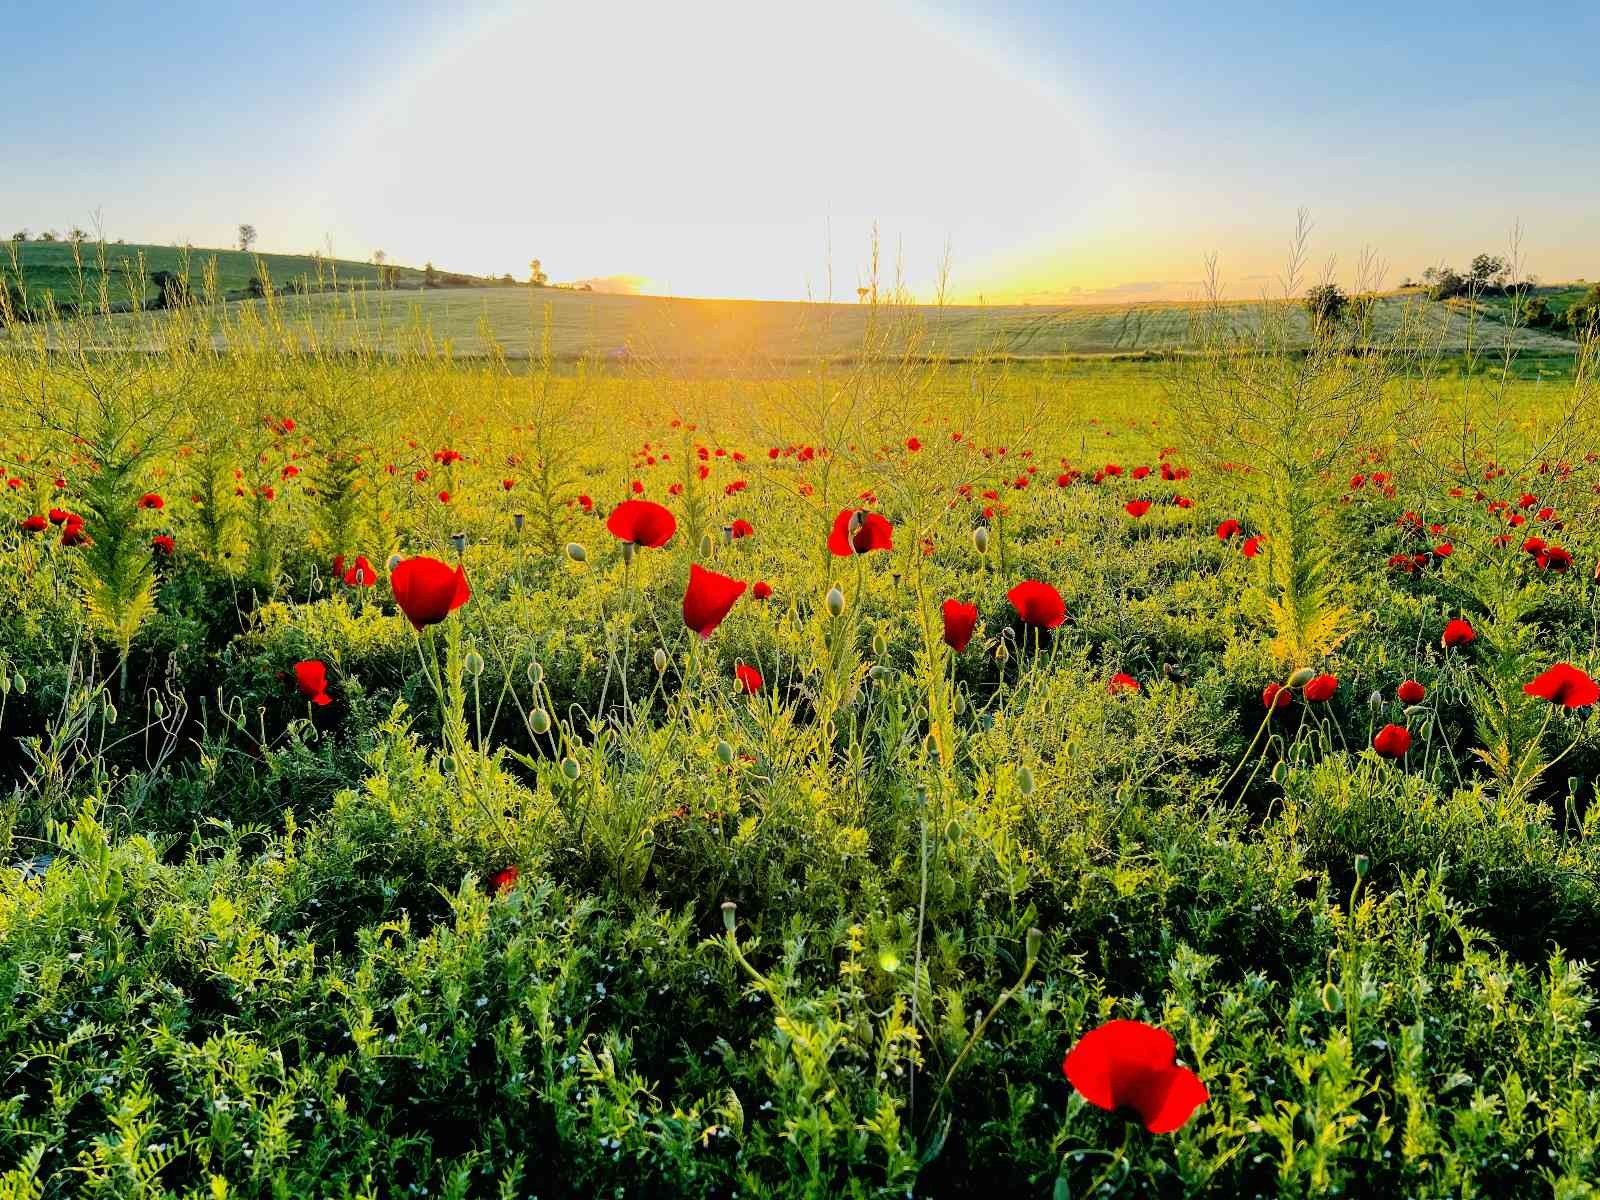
643 328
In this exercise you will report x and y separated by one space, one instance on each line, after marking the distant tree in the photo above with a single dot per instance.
1487 271
20 235
1327 305
247 237
173 289
430 277
536 275
1445 283
77 236
1532 311
49 235
379 258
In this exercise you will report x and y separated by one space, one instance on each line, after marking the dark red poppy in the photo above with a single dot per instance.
1136 508
959 622
58 516
857 531
1321 689
747 679
642 522
1457 633
428 590
163 545
709 599
72 533
1411 692
740 529
1275 696
1038 604
761 590
1252 546
1555 558
361 573
34 524
1566 685
503 880
1122 682
1133 1066
151 500
312 677
1227 529
1392 741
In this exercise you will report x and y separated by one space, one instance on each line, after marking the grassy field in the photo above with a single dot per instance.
54 268
388 807
516 321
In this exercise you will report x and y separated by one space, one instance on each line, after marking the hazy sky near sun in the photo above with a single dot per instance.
1063 151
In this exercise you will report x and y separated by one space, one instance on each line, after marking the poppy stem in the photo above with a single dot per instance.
1027 970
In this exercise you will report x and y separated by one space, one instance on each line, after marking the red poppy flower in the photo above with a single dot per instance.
959 621
1227 529
1565 685
709 598
163 545
503 880
361 574
1457 633
1038 604
1136 508
58 515
913 445
761 590
741 529
1122 682
312 677
747 679
1275 696
1321 689
34 524
427 590
1556 559
857 531
642 522
151 500
1252 546
585 503
72 533
1131 1065
1392 741
1411 692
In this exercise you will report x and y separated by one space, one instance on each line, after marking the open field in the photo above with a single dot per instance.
474 321
399 806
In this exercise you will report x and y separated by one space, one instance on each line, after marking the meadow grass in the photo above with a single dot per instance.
833 936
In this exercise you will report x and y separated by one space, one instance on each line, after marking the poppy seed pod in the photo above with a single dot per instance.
724 753
394 561
659 658
1363 865
1332 997
518 520
1302 677
730 914
1025 781
458 542
880 645
473 663
535 673
980 539
1000 652
628 549
835 602
569 768
539 721
1034 942
705 545
576 552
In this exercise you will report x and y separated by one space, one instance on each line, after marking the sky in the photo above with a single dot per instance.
1049 152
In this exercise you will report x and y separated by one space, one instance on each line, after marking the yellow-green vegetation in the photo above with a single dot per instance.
339 873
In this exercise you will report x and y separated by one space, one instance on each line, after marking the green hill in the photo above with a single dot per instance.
66 272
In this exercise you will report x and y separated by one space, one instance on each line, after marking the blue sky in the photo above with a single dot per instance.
1062 151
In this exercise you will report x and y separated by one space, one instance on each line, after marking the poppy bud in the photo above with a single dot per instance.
1302 677
880 673
539 721
1363 865
110 713
730 914
20 683
1415 710
394 561
1332 997
1001 653
473 663
980 539
447 763
960 704
1034 941
458 542
535 673
724 753
1025 781
835 602
518 520
1280 772
576 552
1375 700
880 645
660 660
569 768
705 545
